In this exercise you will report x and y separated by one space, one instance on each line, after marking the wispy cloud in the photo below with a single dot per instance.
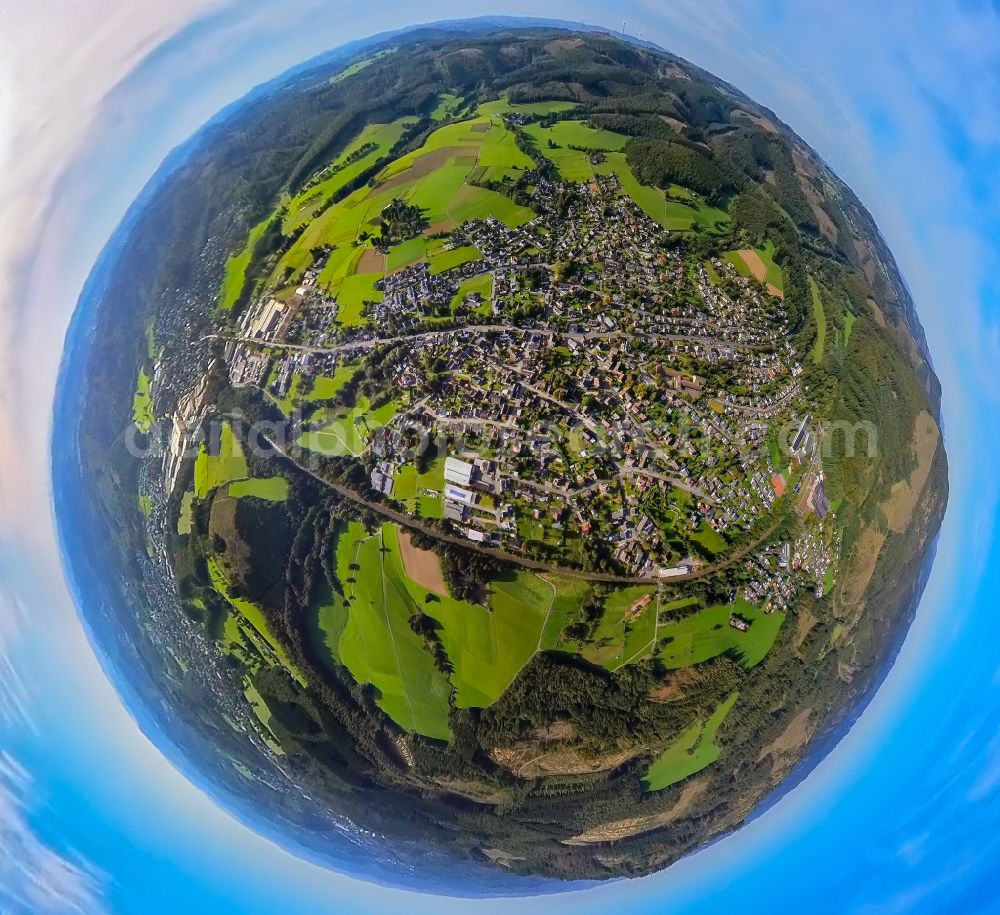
36 879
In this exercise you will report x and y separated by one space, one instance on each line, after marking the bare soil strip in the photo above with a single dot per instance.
422 566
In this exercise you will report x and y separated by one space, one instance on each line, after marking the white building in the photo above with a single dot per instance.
458 472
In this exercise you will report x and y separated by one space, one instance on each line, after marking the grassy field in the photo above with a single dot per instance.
710 539
819 314
142 404
327 386
339 433
377 644
570 593
486 646
213 471
456 257
235 276
434 177
362 153
849 320
186 518
694 750
254 616
483 284
360 65
354 291
707 634
607 647
773 275
373 639
447 104
272 489
410 485
676 215
326 621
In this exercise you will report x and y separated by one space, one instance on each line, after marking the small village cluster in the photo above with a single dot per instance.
616 399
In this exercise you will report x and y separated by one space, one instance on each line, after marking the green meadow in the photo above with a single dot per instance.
693 751
271 489
327 386
707 634
819 315
142 404
254 616
377 644
213 471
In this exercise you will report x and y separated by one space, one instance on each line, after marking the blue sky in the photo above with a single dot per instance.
905 107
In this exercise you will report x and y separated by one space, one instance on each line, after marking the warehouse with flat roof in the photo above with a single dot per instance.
458 472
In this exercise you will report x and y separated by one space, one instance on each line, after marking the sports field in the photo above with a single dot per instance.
691 752
708 634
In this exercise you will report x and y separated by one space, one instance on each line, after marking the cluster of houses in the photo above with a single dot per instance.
597 416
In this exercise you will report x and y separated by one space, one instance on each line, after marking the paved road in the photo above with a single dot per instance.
415 524
355 345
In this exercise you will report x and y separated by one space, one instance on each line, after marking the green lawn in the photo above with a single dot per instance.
500 155
405 254
773 274
707 634
354 291
377 644
272 489
438 185
607 647
570 593
819 315
326 621
849 320
142 404
693 751
487 647
213 471
409 487
326 386
710 539
186 517
456 257
576 133
380 137
483 284
446 105
478 203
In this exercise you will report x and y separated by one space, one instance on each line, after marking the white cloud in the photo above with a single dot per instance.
35 879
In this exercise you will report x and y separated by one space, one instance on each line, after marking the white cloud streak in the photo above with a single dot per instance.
35 879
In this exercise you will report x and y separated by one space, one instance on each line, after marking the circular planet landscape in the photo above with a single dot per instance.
505 458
